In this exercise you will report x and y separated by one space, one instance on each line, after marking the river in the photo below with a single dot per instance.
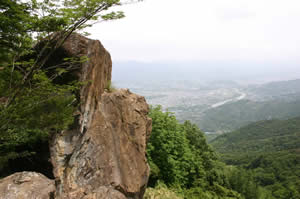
242 96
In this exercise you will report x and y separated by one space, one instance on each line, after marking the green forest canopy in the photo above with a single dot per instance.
180 158
270 150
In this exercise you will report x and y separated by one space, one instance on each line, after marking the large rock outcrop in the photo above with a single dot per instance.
26 185
109 155
103 155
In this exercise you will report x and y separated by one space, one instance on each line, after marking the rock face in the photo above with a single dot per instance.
26 185
109 155
103 155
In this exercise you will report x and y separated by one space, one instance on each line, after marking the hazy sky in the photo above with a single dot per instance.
203 30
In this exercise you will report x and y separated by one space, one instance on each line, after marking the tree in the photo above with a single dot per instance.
178 153
40 20
180 157
168 149
32 104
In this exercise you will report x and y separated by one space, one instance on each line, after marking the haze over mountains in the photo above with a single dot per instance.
203 71
217 98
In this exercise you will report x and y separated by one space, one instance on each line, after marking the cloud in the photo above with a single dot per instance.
234 9
157 30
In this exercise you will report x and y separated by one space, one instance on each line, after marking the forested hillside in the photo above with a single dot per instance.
270 150
183 165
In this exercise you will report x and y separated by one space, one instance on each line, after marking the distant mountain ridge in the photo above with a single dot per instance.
234 115
274 100
261 136
284 90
